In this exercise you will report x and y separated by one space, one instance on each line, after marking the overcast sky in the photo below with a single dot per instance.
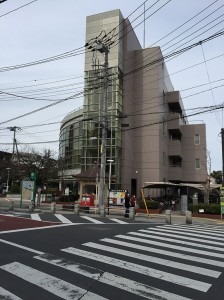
45 28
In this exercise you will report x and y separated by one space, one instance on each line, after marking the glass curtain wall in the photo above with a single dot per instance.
92 120
70 146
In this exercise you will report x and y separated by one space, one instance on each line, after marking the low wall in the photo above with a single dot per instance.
151 211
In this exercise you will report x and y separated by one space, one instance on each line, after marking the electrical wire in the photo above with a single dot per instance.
9 12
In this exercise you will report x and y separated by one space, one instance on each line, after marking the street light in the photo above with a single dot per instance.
7 187
108 199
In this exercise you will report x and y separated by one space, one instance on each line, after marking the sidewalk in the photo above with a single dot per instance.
177 217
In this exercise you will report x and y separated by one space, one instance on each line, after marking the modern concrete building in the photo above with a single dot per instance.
159 144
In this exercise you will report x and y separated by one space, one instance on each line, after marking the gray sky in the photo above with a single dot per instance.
47 28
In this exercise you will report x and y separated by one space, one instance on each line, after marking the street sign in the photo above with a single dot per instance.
33 175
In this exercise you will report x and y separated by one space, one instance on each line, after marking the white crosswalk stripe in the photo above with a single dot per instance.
62 218
110 279
4 294
155 260
50 283
118 221
200 230
35 217
93 220
147 271
174 240
180 232
157 232
165 254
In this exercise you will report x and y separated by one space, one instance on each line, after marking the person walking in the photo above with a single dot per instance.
127 205
133 201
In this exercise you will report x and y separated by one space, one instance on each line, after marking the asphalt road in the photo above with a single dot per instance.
113 261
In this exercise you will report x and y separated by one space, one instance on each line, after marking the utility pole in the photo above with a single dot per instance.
14 137
102 48
222 134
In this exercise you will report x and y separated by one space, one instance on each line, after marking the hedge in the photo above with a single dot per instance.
208 208
69 198
150 204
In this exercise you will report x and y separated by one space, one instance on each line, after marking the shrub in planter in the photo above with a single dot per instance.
208 208
69 198
150 204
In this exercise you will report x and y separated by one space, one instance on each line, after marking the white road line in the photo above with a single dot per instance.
50 283
37 228
119 221
156 260
169 246
165 252
182 232
114 280
21 247
202 231
150 231
92 220
169 277
198 244
4 294
63 219
35 217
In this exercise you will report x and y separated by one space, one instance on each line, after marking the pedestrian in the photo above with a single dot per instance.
133 201
127 205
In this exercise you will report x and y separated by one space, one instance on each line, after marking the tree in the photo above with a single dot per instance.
217 175
29 160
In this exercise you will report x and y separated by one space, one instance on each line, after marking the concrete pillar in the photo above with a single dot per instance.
188 217
53 207
168 216
11 205
76 209
102 211
132 213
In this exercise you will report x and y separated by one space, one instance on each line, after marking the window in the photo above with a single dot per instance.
197 163
197 139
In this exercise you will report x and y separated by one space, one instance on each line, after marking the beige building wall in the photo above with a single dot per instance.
192 151
158 145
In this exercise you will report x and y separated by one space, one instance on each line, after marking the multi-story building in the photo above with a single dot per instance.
159 144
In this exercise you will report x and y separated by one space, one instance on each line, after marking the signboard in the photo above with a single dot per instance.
117 197
27 190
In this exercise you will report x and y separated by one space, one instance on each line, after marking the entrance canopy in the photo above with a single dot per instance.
157 185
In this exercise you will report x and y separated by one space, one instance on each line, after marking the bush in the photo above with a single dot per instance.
208 208
15 189
150 204
69 198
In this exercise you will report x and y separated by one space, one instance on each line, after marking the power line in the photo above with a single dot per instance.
124 75
9 12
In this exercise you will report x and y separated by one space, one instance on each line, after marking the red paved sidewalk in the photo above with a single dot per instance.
13 223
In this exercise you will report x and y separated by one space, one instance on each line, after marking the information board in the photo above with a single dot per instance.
117 197
27 190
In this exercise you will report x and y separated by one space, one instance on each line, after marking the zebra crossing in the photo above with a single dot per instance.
164 262
68 219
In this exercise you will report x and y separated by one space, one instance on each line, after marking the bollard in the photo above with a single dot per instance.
53 207
76 209
132 213
11 205
168 216
31 206
188 217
